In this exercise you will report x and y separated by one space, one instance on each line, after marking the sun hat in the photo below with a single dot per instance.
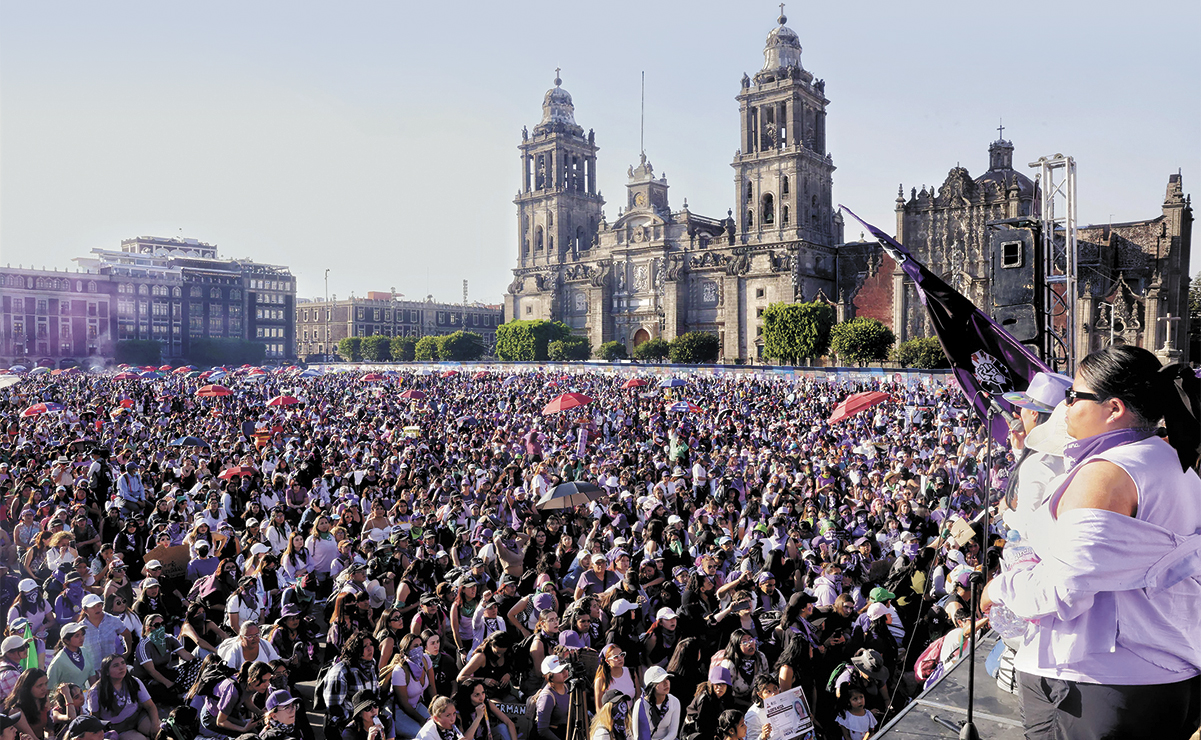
363 700
870 662
1043 394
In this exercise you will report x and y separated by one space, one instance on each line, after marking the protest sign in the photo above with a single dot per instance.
789 717
174 559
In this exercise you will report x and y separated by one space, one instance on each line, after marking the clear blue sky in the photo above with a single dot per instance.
378 139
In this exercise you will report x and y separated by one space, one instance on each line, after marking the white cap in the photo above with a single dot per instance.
665 613
150 582
621 606
152 564
875 610
552 664
11 643
259 549
28 584
72 628
654 675
91 600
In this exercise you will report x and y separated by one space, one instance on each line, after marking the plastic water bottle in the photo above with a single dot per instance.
1017 555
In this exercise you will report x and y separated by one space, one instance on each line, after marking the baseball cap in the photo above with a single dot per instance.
279 698
719 674
552 664
149 582
27 585
91 600
875 610
654 675
665 613
151 565
879 594
72 628
11 643
623 606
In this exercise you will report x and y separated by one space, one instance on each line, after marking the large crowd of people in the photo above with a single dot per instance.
177 563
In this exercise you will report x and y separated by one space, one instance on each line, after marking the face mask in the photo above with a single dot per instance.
911 549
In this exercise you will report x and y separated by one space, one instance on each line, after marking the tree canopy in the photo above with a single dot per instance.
695 348
526 341
797 331
861 340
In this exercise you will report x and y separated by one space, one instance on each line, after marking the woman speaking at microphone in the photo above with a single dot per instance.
1114 597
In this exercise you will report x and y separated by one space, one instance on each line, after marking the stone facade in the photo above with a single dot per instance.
658 272
946 230
1132 277
1134 281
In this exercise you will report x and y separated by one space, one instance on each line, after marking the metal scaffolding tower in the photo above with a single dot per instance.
1055 188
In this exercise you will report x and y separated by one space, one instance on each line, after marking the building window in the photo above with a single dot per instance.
142 289
196 292
529 309
784 217
91 286
176 292
758 312
215 326
235 295
784 186
769 209
306 314
760 292
215 294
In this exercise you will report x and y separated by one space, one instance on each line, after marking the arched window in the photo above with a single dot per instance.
142 289
537 238
91 286
750 219
750 191
550 220
215 293
769 209
581 243
196 291
525 246
176 292
784 220
784 186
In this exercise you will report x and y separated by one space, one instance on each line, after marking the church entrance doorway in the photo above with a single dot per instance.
641 336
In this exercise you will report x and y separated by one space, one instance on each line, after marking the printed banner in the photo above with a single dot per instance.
789 717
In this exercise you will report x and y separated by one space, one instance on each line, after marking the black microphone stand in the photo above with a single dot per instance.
968 731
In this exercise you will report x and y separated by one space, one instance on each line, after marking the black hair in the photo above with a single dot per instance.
1151 392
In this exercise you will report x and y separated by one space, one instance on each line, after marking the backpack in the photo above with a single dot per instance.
830 683
521 655
928 660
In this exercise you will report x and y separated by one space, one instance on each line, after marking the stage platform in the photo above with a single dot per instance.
997 714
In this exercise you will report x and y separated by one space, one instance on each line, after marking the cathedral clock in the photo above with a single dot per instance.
640 199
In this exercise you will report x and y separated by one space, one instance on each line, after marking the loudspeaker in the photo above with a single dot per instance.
1014 266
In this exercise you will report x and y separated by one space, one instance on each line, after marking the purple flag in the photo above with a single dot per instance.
986 360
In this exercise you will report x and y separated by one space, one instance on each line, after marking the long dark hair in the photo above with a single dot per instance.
22 696
727 723
462 697
1151 392
108 695
687 657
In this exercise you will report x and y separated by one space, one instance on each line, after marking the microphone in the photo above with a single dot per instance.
1009 418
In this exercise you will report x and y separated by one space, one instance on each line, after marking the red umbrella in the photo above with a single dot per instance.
127 403
566 401
413 394
449 373
372 376
126 376
855 403
165 368
480 375
235 471
634 383
41 408
212 391
183 369
283 401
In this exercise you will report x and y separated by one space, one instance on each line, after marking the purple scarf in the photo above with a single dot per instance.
1076 452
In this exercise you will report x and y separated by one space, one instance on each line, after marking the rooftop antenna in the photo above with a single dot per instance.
642 118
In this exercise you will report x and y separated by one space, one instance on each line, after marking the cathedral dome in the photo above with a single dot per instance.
783 48
557 110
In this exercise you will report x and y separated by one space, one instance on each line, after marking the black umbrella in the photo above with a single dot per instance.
570 495
188 442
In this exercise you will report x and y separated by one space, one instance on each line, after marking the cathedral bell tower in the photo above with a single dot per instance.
558 207
782 172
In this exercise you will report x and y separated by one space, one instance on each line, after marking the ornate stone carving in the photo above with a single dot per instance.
675 267
516 286
708 259
641 279
740 265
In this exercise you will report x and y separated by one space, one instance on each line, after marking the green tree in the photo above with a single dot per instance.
351 349
402 348
426 349
226 352
610 351
653 350
528 340
695 348
797 331
861 340
139 352
573 348
376 348
462 346
924 354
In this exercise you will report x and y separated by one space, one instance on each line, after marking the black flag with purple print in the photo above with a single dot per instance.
986 360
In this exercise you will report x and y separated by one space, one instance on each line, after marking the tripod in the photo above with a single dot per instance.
577 710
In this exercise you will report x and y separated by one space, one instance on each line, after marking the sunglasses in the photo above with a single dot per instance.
1071 396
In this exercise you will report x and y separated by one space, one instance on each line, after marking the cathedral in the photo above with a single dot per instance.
656 271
